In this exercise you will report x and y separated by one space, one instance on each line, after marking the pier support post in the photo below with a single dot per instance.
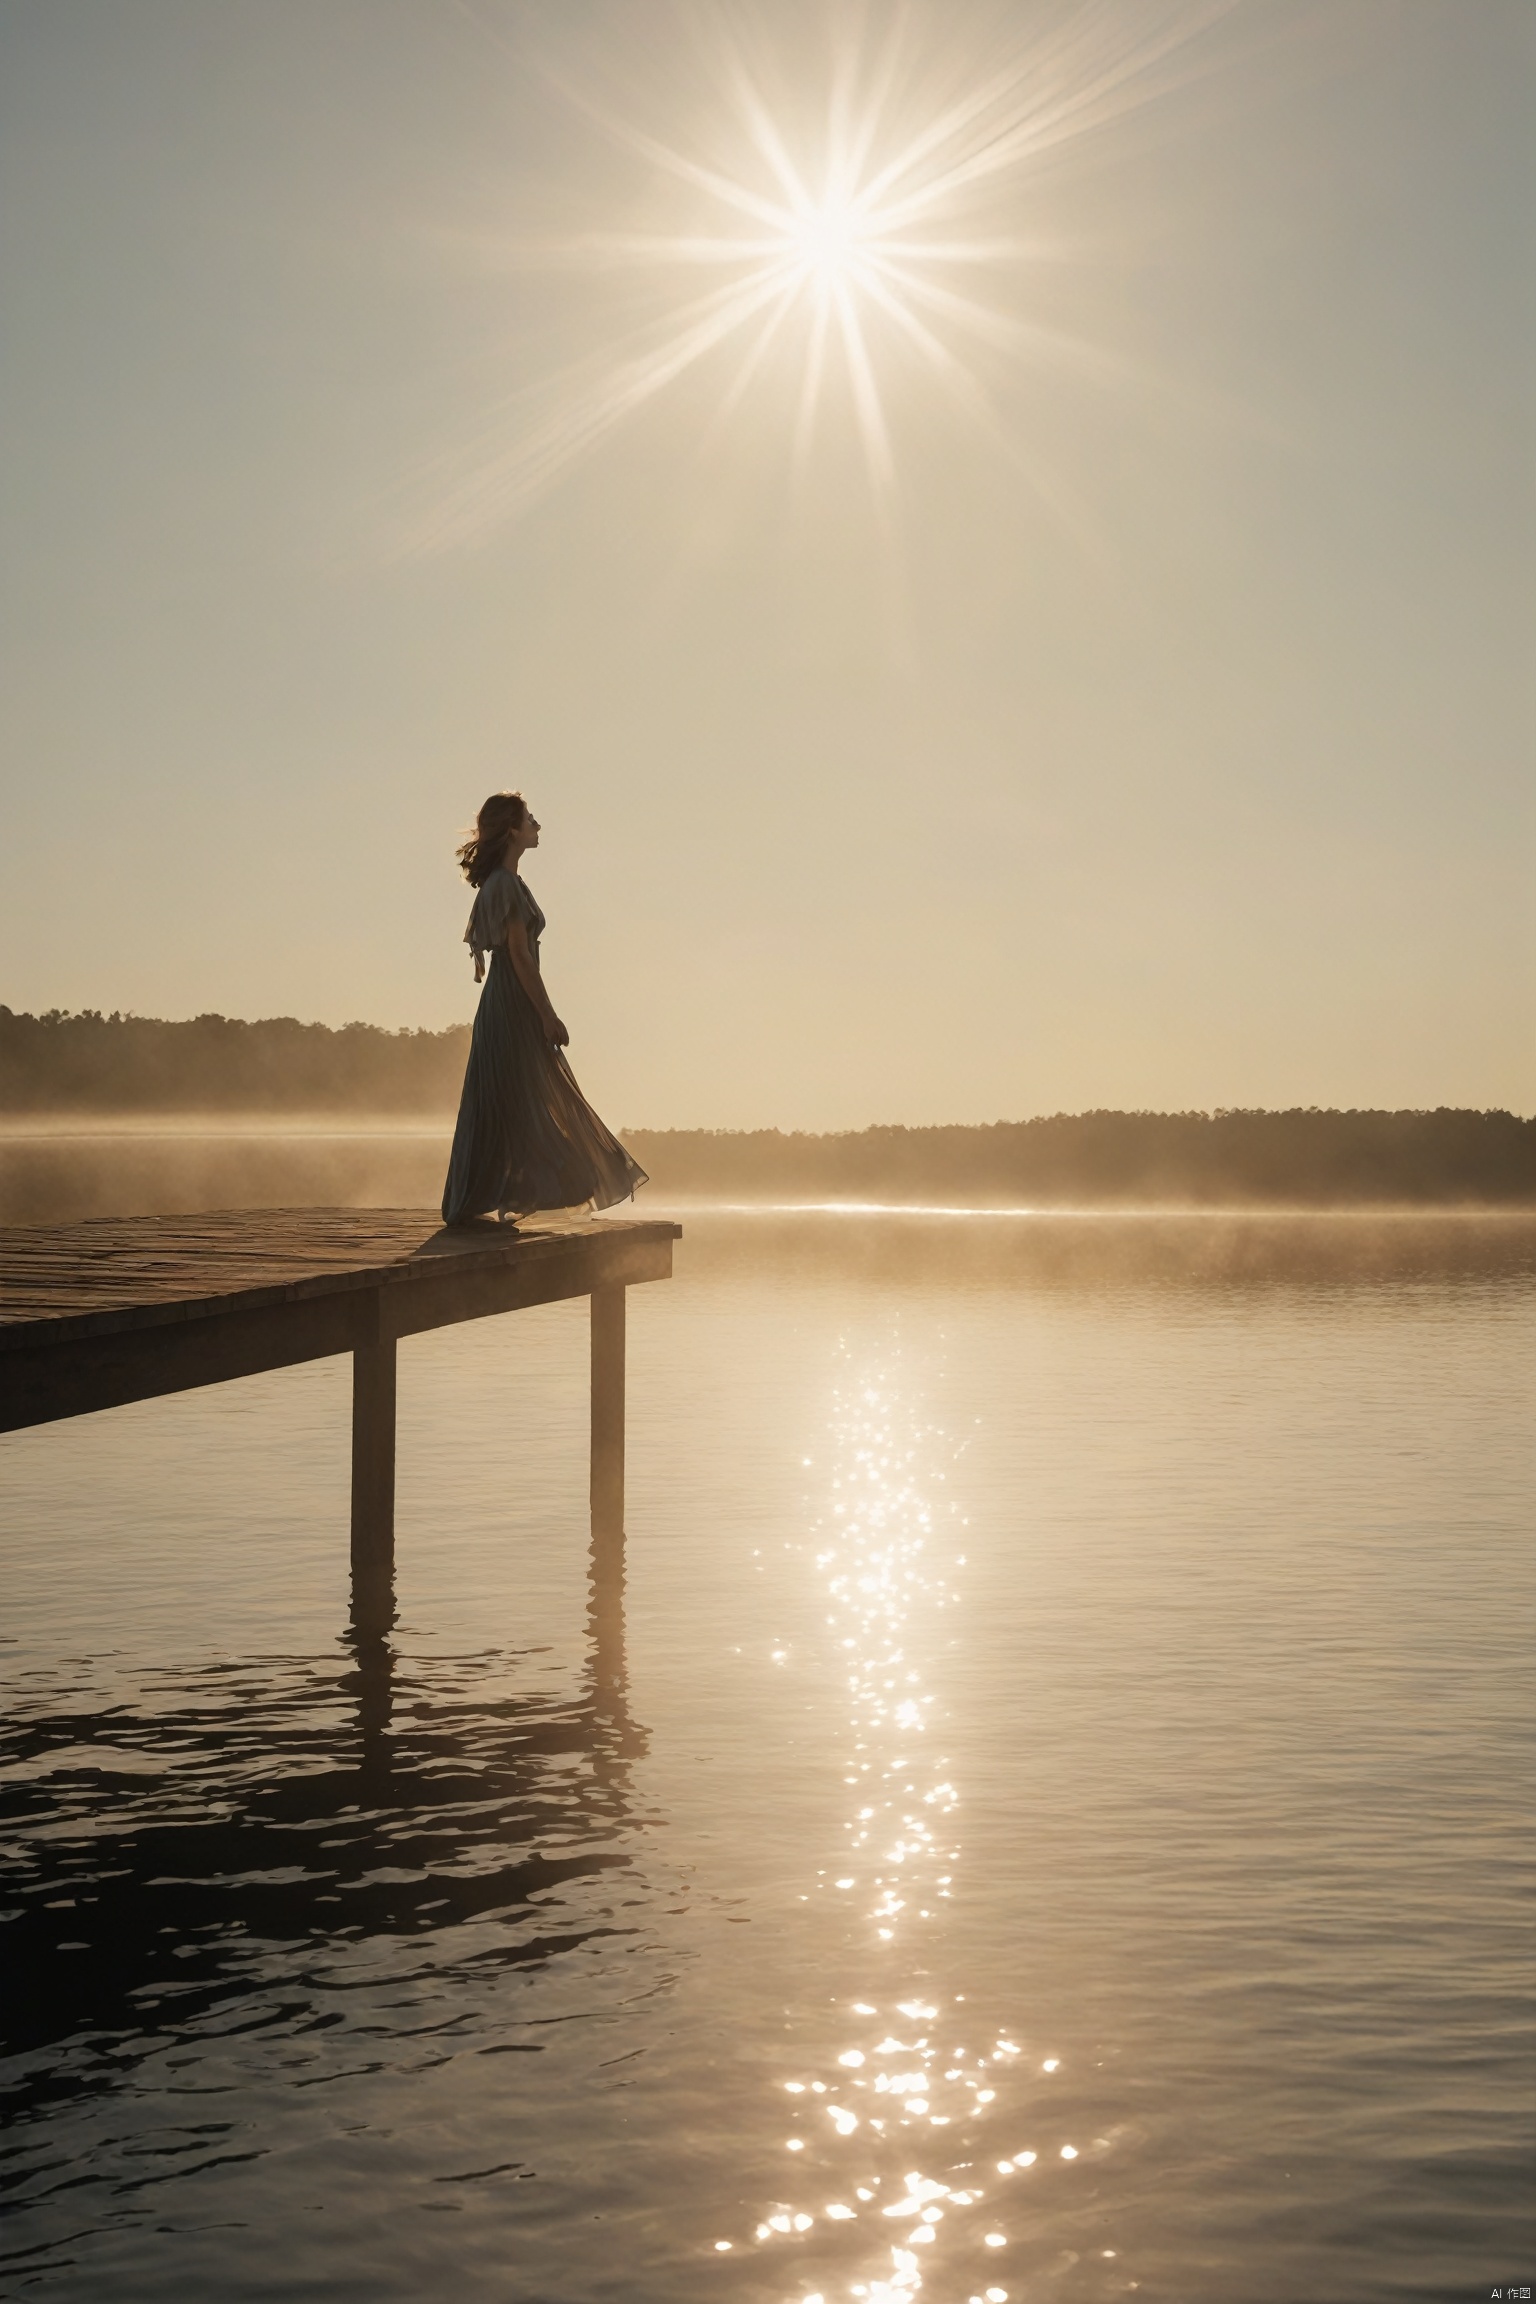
607 1418
373 1484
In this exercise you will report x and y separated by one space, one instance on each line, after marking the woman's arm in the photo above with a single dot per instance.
526 970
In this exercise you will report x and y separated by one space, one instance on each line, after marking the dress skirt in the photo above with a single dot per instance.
526 1136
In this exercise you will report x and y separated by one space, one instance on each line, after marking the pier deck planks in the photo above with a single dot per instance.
129 1308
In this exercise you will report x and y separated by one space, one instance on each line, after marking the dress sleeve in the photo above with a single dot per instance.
499 902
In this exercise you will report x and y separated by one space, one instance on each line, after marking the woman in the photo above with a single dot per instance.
526 1137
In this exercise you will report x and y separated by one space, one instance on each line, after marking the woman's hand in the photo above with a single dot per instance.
526 970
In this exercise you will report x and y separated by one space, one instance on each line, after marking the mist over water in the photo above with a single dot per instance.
68 1169
64 1171
1040 1820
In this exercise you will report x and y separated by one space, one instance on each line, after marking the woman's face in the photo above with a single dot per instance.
525 837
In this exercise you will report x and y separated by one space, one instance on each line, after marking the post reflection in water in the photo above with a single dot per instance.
241 1870
915 2134
373 1617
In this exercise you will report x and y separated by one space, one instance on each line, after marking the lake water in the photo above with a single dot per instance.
1052 1823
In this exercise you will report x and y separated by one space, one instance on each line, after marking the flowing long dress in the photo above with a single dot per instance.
526 1136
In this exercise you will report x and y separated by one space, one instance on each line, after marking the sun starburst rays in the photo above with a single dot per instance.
859 249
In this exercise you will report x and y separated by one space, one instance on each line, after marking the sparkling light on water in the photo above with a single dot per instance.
895 2115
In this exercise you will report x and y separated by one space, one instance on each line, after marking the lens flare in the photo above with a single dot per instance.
885 236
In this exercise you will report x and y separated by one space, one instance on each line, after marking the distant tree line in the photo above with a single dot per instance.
91 1063
1301 1158
94 1063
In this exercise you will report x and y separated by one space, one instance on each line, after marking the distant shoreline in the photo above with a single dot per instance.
183 1089
1379 1164
70 1124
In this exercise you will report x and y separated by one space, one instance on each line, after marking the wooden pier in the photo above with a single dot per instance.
130 1308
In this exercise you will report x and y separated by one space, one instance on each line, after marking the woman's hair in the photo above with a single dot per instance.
501 816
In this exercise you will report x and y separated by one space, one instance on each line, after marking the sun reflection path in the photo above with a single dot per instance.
911 2132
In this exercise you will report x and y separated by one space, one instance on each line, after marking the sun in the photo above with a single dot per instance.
900 233
829 241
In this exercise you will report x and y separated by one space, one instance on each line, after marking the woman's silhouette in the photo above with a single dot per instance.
526 1136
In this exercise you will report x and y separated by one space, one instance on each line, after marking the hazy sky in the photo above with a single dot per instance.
1111 686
